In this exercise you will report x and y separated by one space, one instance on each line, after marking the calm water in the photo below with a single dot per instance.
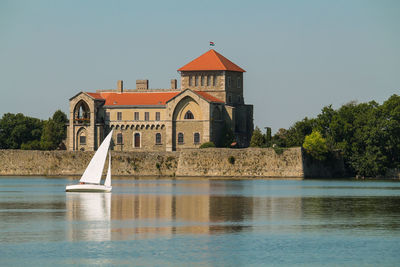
200 223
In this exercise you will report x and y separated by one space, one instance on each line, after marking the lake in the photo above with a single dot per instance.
200 222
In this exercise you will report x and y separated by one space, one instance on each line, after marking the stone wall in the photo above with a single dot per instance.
250 162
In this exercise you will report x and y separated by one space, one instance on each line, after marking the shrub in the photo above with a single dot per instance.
315 145
207 144
278 150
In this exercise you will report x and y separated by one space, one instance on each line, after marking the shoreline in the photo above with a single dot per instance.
152 177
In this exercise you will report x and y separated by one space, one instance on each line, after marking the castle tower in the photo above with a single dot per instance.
215 74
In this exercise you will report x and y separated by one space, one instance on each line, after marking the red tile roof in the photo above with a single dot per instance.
135 99
208 97
144 98
211 60
95 95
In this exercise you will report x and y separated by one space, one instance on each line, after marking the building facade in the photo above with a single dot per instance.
208 103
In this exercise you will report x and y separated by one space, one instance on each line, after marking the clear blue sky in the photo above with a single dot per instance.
299 55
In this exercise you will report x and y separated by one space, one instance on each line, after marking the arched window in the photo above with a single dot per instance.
190 80
158 139
189 115
202 80
82 112
196 81
180 138
196 138
136 141
119 139
208 80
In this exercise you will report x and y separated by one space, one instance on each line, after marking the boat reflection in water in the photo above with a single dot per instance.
89 215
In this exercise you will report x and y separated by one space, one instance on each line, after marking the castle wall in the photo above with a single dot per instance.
250 162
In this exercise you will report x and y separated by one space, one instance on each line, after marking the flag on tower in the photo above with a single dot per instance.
212 44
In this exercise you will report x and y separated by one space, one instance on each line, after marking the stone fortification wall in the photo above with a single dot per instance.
248 162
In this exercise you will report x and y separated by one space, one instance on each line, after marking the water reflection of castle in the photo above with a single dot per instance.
130 216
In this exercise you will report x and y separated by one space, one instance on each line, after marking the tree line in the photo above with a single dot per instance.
18 131
366 134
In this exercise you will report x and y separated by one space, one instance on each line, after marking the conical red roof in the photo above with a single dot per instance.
211 60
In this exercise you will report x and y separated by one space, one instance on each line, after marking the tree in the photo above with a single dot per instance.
257 139
268 137
54 131
280 137
315 145
296 134
17 129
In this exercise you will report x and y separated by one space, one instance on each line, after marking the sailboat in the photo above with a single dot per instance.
91 178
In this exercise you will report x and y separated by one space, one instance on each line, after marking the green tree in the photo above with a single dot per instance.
257 139
17 129
268 137
54 131
280 138
296 134
315 145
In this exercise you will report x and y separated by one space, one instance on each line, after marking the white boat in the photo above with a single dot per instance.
91 178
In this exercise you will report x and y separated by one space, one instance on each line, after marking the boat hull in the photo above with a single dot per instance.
88 188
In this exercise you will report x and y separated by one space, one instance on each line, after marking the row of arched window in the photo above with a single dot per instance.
181 138
158 139
202 80
137 139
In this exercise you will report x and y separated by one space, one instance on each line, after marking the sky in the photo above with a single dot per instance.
299 56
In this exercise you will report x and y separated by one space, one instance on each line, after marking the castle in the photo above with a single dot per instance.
209 103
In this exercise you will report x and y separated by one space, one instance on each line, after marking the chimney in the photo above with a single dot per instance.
142 84
174 84
120 86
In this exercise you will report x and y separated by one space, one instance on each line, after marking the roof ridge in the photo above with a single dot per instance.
211 60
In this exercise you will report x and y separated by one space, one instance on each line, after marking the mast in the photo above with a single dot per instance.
108 177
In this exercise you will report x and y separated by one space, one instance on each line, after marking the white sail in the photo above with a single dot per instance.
108 177
95 168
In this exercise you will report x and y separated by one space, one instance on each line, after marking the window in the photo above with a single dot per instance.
146 116
189 115
215 80
107 116
190 80
196 81
239 83
202 80
119 116
208 80
136 116
229 81
157 116
136 141
82 140
158 139
196 138
229 99
180 138
119 139
239 99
